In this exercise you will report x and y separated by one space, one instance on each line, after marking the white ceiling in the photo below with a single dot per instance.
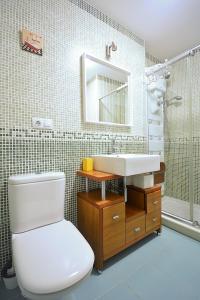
169 27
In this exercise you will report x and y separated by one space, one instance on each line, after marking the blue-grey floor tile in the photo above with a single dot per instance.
151 284
120 292
165 267
9 294
96 285
18 297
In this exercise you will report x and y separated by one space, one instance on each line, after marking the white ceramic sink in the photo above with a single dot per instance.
127 164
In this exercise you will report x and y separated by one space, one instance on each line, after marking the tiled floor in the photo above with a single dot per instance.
166 267
180 208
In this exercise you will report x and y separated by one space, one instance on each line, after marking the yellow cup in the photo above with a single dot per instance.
88 164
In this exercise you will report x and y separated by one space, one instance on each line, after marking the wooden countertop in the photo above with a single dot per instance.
97 175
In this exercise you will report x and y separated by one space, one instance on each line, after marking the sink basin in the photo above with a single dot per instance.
127 164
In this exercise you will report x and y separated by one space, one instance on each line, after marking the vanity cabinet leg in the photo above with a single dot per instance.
125 188
99 266
103 190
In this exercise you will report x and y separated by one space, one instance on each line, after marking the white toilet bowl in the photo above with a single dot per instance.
51 259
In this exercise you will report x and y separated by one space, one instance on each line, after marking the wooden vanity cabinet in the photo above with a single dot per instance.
113 229
112 225
151 199
102 222
135 229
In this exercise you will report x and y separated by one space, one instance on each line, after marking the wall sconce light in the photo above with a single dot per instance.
112 47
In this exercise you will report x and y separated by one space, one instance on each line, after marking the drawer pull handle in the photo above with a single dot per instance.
137 229
154 219
116 217
155 202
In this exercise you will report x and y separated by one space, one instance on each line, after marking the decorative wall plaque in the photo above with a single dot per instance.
32 42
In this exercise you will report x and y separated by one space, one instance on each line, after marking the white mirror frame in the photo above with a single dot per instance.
84 90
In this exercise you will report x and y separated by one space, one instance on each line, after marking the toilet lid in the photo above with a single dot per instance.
51 258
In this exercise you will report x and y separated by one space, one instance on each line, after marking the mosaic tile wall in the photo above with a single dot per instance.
177 168
180 155
50 87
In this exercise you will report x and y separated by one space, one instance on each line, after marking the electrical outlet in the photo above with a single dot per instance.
48 123
41 123
37 122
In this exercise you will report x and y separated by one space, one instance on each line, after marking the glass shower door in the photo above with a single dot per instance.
178 189
194 72
181 119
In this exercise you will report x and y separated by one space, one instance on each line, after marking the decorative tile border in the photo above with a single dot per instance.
58 135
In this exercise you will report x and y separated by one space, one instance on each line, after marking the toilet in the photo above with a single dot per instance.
50 256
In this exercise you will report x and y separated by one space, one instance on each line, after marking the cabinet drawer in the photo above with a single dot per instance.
113 229
153 201
153 220
135 229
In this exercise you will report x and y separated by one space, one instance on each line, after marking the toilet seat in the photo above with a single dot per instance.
51 258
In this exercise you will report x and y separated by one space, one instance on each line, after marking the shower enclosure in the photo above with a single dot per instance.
180 117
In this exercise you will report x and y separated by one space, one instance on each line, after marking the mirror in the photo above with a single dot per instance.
106 92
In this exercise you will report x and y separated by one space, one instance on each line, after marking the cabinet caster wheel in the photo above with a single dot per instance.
99 271
158 232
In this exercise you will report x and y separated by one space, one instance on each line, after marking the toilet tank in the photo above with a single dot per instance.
35 200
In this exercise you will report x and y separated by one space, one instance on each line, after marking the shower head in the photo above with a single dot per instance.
176 98
167 74
168 101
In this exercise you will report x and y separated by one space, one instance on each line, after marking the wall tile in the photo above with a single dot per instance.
50 87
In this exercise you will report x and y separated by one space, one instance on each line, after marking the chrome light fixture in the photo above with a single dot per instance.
112 47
